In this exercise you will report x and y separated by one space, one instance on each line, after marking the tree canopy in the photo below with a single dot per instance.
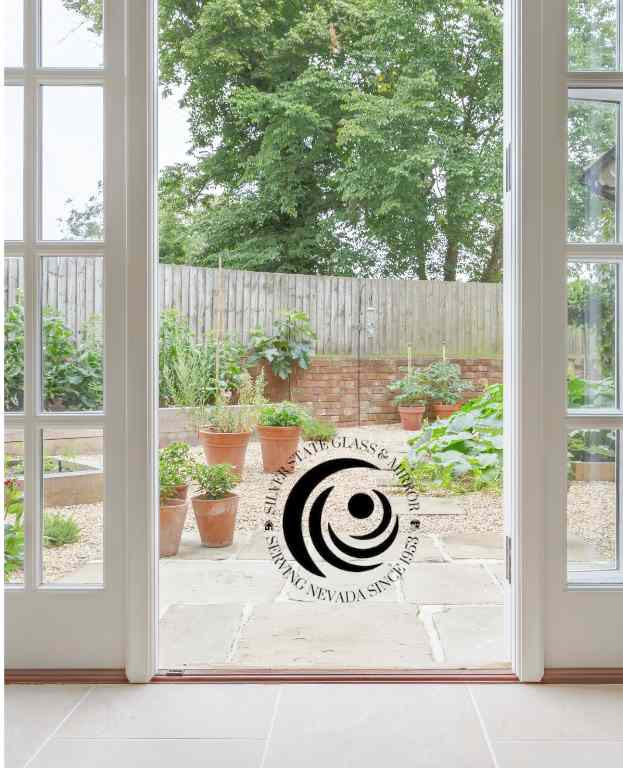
337 136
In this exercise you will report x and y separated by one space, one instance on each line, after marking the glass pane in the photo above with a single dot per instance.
13 162
13 333
71 323
72 163
592 34
592 168
71 33
13 20
591 338
592 500
13 506
73 506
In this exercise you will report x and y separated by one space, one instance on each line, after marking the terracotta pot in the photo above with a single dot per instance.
216 519
443 410
181 491
225 448
172 516
278 445
411 416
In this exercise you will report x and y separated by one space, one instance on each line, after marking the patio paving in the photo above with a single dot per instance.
471 636
450 584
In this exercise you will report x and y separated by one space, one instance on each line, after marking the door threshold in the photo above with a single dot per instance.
251 675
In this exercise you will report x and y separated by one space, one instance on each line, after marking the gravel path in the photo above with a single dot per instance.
591 508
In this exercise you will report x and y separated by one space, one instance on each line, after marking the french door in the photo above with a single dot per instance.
65 455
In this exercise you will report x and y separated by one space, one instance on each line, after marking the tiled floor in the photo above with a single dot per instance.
319 726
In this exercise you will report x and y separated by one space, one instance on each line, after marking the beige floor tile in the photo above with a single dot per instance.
551 711
32 712
559 754
370 726
140 753
173 712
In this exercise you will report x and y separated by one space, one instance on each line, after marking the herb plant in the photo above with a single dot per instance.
442 382
316 430
215 481
282 415
176 468
412 389
59 530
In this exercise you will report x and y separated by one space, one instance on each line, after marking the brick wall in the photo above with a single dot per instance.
341 390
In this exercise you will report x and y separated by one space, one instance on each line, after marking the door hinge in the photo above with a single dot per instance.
509 554
507 168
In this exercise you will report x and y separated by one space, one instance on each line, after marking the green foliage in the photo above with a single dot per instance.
291 344
59 530
337 136
462 453
14 357
235 418
215 481
316 430
592 34
596 394
13 528
592 445
176 467
86 223
441 381
188 369
412 389
282 415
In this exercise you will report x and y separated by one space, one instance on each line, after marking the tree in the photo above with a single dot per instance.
342 136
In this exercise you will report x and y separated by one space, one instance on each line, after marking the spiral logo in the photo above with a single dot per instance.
371 545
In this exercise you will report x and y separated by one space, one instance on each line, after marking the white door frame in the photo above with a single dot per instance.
81 625
535 46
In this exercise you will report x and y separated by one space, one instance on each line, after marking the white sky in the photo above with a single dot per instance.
72 141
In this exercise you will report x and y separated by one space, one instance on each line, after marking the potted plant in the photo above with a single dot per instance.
411 399
176 467
215 507
279 429
444 387
226 429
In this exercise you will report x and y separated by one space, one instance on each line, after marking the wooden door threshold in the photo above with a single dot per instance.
337 676
584 675
65 676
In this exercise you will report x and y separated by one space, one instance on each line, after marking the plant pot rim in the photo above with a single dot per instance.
203 497
291 427
412 406
172 502
444 404
207 431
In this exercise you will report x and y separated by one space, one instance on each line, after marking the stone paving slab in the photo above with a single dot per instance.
474 546
472 636
192 549
388 595
427 550
449 584
197 636
329 636
202 582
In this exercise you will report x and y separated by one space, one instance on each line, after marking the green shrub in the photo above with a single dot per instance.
72 369
59 530
596 394
291 344
188 370
441 382
317 430
462 453
176 467
215 481
412 389
282 415
13 528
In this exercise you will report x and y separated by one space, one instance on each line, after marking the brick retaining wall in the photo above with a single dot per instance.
329 387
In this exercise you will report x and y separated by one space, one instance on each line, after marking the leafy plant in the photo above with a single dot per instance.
14 356
441 380
464 452
291 344
176 466
188 369
596 394
317 430
13 528
215 481
59 530
282 415
412 389
234 418
591 445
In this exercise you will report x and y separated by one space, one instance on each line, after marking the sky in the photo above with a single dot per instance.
72 119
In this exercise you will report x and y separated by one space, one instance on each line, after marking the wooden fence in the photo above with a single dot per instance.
351 316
